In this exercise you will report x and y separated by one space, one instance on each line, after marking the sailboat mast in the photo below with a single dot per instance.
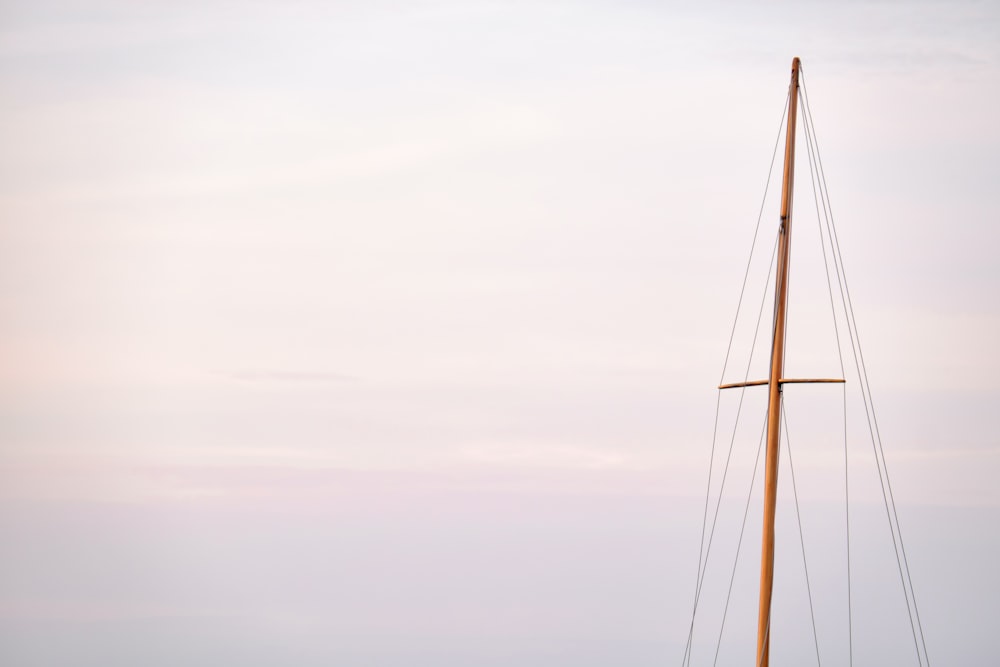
774 381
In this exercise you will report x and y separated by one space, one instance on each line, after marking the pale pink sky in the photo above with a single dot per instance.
441 290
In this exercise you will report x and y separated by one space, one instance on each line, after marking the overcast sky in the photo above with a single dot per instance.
382 333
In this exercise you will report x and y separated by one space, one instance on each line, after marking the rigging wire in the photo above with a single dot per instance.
703 549
729 456
702 559
753 244
878 449
767 635
811 150
739 543
821 200
798 518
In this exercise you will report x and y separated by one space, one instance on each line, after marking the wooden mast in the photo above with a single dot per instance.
775 379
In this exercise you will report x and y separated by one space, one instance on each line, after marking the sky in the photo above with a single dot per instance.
389 333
